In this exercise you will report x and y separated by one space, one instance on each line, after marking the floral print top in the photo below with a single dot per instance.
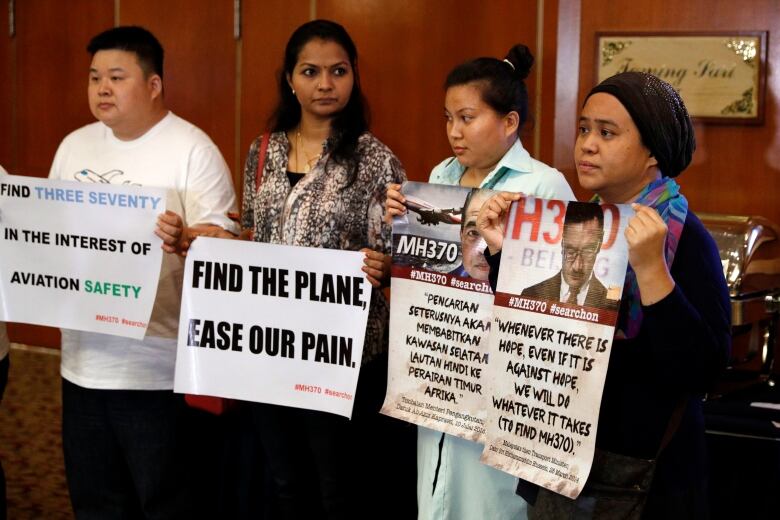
324 209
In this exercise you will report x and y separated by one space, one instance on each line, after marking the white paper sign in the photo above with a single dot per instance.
78 256
441 312
556 304
273 324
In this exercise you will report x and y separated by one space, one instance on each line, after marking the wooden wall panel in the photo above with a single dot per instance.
267 25
546 98
567 63
736 169
200 64
7 147
406 49
51 77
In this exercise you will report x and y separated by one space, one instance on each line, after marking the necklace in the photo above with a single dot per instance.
308 160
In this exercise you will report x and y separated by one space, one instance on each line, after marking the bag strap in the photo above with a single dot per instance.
674 423
261 161
250 233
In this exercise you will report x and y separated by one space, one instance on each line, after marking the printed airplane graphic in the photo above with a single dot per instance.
429 215
110 177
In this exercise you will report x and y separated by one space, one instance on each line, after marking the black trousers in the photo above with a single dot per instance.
326 466
123 456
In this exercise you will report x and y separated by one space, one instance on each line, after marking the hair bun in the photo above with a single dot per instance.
522 59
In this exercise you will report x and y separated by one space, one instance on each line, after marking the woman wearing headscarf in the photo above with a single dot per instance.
673 333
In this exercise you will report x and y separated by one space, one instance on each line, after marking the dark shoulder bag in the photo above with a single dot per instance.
617 486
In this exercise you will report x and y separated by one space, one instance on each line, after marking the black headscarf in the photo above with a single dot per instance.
659 114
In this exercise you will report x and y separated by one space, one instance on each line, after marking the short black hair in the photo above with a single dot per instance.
577 212
501 82
131 38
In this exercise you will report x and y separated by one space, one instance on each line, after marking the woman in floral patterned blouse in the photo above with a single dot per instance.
323 185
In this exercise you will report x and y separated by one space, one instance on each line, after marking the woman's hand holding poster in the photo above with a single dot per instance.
441 312
558 293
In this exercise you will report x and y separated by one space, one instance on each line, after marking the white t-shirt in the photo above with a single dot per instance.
173 154
4 343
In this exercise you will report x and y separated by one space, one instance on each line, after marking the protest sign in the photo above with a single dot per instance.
559 287
272 324
79 256
441 311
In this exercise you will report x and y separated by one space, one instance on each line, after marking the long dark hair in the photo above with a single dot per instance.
352 120
501 82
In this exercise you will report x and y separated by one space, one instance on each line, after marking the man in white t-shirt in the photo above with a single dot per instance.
121 420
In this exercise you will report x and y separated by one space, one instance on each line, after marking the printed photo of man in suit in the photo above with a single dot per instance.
575 283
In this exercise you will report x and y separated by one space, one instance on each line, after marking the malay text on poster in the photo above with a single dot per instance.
79 256
273 324
559 288
440 314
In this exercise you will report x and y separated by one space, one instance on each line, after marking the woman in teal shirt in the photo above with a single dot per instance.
486 105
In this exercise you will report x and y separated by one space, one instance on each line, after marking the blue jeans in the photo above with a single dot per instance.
123 456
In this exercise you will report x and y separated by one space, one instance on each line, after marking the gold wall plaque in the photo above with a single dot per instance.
720 76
